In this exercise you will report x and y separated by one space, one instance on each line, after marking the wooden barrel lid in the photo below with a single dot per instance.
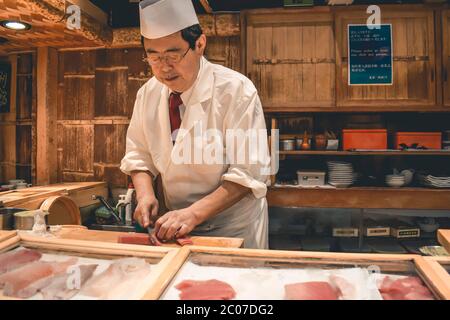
62 211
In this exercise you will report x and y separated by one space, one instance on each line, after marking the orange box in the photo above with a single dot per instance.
430 140
373 139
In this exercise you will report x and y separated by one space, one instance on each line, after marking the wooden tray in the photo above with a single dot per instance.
388 263
112 236
444 238
162 255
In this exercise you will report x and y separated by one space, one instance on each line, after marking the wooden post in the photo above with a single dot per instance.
8 128
46 158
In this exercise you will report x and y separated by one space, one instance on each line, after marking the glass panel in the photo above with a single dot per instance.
31 272
238 277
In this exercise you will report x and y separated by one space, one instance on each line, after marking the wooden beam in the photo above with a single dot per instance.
206 6
46 158
93 22
217 25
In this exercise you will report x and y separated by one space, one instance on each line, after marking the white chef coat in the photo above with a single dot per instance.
219 99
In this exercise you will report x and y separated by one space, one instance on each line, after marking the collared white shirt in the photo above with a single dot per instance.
186 95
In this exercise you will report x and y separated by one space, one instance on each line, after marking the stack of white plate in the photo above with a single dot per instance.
435 181
395 180
340 174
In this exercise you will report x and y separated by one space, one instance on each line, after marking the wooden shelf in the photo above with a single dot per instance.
367 153
360 197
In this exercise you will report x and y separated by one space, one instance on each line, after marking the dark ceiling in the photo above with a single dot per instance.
125 13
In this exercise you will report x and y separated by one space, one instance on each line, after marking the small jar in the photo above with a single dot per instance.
287 144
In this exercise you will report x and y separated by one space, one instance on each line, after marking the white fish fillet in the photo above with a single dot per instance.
120 277
26 281
15 259
59 288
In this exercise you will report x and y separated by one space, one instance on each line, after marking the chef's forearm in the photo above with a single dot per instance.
221 199
143 184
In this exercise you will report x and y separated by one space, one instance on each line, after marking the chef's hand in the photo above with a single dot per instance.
147 207
176 224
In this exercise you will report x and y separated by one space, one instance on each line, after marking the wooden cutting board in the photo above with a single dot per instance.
82 233
444 238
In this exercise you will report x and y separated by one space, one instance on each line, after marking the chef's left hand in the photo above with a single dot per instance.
176 224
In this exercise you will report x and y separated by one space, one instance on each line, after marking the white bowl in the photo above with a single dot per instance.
395 184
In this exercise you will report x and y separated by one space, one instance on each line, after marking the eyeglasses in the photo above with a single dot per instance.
170 58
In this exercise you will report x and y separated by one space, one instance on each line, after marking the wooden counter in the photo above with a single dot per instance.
112 236
31 198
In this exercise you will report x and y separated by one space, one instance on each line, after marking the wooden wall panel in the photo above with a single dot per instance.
17 127
8 135
291 57
78 95
24 64
111 91
24 152
78 153
24 97
414 66
224 51
79 62
109 143
110 173
23 145
134 84
132 58
446 56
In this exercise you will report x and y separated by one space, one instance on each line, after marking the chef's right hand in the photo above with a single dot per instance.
147 208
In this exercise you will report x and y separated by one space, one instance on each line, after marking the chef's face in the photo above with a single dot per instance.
178 76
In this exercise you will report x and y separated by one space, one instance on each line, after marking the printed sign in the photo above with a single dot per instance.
370 57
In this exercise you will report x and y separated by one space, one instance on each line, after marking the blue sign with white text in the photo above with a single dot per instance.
369 55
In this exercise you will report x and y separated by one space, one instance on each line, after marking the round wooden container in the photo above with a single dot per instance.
62 211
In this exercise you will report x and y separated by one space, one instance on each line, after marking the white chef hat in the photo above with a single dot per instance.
160 18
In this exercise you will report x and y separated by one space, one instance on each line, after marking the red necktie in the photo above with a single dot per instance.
174 112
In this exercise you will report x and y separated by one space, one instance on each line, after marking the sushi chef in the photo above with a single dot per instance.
190 97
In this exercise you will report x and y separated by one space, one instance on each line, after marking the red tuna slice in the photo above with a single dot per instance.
149 240
15 259
134 238
386 284
205 290
419 296
387 296
410 288
315 290
184 241
411 282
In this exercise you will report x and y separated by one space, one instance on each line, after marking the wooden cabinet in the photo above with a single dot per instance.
446 56
414 59
290 56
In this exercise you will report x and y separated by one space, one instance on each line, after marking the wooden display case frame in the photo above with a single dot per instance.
14 239
227 255
444 238
439 275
